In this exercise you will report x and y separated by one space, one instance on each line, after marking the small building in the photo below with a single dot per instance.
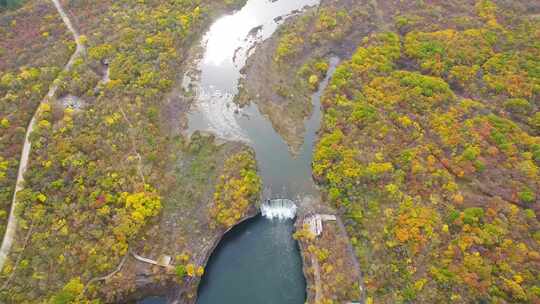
164 260
315 222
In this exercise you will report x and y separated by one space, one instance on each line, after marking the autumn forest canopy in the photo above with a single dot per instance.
428 150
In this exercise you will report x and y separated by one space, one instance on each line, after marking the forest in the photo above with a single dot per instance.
27 68
98 171
430 148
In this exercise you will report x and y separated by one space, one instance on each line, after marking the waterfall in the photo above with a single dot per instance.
281 209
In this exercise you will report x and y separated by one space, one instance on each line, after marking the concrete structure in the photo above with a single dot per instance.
315 222
163 260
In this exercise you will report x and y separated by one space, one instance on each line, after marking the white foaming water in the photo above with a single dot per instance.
282 209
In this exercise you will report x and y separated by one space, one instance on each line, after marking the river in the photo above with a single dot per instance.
258 261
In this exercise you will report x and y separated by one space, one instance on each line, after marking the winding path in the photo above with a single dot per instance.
12 221
108 276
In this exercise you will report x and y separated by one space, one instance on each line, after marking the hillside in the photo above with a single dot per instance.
427 159
430 148
107 171
430 140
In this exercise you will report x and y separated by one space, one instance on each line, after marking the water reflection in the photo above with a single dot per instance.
227 46
257 262
231 32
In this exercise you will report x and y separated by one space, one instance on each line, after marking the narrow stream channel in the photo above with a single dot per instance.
228 44
258 261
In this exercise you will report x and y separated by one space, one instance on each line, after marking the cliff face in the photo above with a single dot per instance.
187 229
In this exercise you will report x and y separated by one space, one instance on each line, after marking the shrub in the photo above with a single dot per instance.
527 196
473 215
518 106
181 271
534 121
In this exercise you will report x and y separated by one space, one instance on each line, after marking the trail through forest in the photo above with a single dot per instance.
12 221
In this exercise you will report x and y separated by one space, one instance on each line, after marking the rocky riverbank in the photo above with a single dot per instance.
149 282
187 229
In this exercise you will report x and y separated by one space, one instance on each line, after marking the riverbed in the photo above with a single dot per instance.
258 261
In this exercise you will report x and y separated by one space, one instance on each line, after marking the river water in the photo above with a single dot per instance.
228 44
258 261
